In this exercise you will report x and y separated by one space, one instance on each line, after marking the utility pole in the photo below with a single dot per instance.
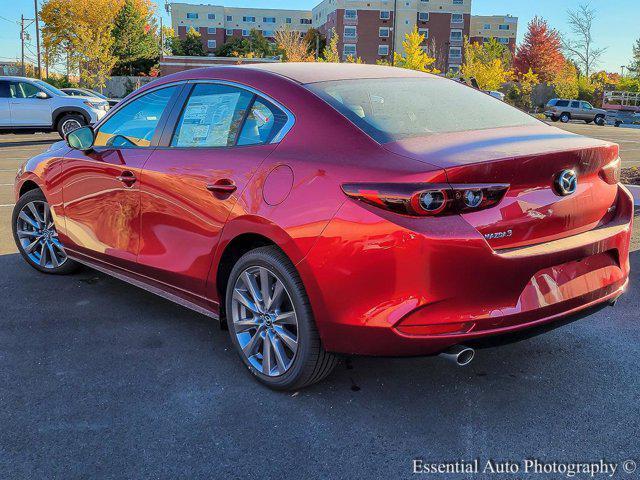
35 5
623 67
24 70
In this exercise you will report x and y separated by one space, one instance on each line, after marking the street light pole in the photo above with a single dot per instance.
35 5
24 71
393 37
623 67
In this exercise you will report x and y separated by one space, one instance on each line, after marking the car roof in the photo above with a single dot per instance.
324 72
17 78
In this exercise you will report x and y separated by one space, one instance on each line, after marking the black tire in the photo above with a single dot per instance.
311 362
618 124
554 119
67 266
70 118
565 117
600 121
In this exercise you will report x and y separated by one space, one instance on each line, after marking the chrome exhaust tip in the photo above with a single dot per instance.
459 354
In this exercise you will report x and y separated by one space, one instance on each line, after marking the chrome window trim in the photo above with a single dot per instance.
291 119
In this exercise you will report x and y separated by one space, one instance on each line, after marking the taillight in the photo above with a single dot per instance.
610 173
427 199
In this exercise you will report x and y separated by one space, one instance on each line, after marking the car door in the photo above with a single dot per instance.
100 188
587 111
27 109
190 185
576 112
5 111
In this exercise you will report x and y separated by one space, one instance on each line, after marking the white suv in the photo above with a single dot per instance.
27 104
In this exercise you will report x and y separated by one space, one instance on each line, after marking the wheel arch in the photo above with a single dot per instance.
59 112
27 186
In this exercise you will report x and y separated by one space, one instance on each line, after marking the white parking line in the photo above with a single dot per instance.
7 205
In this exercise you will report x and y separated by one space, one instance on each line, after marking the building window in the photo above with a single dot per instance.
229 31
487 26
249 19
503 40
456 35
269 19
423 16
383 50
211 16
458 2
504 26
305 21
350 32
383 32
349 49
288 20
455 53
211 30
385 14
192 16
351 14
425 32
211 43
457 18
229 18
269 33
245 32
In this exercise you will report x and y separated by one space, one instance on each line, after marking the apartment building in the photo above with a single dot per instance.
217 24
501 27
371 30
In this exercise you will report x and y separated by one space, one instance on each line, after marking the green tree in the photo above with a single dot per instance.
634 67
259 45
414 58
316 41
192 45
134 44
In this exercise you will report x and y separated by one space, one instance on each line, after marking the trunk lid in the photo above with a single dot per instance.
529 159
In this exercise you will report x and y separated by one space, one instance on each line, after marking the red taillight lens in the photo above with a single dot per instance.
610 173
425 199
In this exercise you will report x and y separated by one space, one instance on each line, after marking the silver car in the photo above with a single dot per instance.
30 105
566 110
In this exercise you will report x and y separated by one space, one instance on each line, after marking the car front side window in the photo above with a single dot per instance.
23 90
212 116
135 124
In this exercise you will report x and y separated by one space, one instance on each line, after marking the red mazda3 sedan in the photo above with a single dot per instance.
325 209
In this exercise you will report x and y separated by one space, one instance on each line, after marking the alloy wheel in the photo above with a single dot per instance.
264 321
38 236
70 125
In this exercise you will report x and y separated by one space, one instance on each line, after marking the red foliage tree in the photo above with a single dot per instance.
540 51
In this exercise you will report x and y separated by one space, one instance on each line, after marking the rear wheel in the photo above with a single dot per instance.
36 236
565 117
271 323
554 119
70 122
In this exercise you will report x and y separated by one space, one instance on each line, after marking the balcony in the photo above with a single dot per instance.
350 20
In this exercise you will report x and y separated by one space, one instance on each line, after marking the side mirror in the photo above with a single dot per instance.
41 95
81 139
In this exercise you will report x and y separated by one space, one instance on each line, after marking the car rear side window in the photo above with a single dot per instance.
262 124
562 103
212 116
391 109
135 124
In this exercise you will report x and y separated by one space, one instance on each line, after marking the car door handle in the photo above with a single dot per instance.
127 177
224 186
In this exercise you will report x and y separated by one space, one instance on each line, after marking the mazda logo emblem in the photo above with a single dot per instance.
566 182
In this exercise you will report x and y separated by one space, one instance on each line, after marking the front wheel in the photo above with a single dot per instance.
565 117
36 236
70 122
600 121
271 323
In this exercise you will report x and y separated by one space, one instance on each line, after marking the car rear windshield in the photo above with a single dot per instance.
391 109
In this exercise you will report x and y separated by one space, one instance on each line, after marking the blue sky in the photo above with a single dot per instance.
617 28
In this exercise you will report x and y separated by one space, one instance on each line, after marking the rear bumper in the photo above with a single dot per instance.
378 287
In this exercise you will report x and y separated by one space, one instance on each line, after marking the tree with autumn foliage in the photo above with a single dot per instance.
540 51
294 48
330 53
486 64
565 83
415 58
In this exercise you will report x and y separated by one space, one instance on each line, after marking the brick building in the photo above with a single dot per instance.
371 30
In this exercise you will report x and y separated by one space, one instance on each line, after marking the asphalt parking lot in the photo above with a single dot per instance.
99 379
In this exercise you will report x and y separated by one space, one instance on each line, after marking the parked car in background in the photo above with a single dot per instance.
496 94
566 110
31 105
622 117
85 92
325 209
